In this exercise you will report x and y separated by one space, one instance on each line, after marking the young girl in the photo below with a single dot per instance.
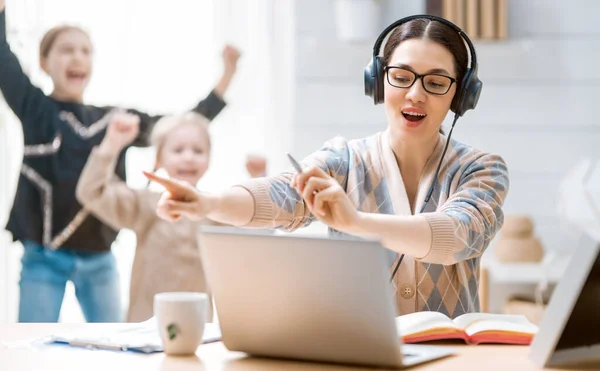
62 241
167 256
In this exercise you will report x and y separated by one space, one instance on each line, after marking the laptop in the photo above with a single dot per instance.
306 298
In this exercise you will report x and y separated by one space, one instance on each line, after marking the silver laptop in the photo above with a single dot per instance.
306 298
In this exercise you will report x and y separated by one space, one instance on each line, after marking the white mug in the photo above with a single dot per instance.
180 317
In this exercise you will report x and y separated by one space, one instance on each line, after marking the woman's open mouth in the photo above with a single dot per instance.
414 116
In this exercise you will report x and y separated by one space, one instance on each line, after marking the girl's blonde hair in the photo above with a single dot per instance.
166 124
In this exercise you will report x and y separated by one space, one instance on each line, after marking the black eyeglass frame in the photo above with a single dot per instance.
418 77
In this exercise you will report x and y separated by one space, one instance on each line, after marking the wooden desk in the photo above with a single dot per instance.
18 353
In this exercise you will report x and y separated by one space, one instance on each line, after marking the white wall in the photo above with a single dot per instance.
536 109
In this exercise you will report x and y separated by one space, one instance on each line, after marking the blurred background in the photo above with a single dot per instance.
300 82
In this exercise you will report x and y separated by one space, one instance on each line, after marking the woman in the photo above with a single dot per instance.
437 206
61 240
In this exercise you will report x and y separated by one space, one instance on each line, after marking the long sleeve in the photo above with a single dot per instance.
109 198
27 101
464 225
278 205
209 107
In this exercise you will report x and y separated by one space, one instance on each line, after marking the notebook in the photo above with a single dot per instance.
135 337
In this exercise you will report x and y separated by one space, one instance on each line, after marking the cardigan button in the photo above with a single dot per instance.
407 291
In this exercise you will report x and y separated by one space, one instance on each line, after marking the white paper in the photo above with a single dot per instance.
140 337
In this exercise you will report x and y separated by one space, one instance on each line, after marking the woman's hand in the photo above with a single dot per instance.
182 199
327 200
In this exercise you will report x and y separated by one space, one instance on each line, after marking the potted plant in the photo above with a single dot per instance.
357 20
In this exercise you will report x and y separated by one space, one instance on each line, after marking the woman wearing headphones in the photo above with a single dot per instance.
435 203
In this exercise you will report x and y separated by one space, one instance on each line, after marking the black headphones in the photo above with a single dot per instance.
466 97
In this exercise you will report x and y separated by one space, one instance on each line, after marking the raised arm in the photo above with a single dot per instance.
23 98
269 202
230 58
209 107
100 191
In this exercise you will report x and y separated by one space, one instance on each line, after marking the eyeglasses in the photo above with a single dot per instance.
432 83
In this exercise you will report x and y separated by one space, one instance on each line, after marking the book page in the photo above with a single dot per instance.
467 319
493 325
478 322
422 321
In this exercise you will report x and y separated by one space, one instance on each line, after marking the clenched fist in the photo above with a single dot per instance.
230 58
121 132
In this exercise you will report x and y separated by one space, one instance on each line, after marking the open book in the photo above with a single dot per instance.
139 337
473 328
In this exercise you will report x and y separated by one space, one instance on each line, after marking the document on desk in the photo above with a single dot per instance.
136 337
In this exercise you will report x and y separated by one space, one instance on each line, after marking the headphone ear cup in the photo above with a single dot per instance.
379 96
468 95
456 105
472 94
369 76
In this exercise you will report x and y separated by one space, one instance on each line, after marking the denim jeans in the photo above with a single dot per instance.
44 275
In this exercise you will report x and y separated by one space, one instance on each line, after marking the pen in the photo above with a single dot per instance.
298 168
295 164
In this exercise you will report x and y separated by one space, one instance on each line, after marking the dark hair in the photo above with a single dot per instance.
435 31
51 35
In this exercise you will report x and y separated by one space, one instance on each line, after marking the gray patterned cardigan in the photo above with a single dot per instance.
464 212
